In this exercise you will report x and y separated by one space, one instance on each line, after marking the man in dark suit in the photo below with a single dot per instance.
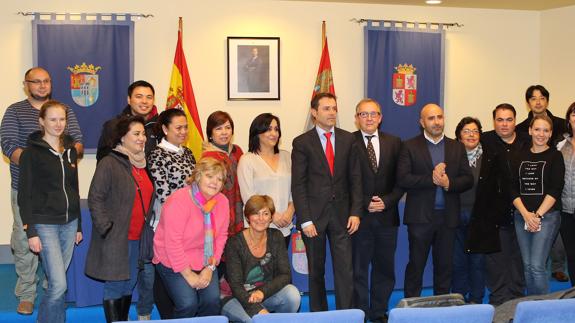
375 241
326 191
433 169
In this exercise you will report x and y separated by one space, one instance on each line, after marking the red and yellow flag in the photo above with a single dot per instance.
181 96
324 79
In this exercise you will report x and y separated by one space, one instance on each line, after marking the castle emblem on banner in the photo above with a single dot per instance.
405 85
84 84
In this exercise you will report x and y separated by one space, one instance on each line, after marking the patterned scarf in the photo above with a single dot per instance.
474 154
206 207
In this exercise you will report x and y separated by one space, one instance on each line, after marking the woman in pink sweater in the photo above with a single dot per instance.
190 240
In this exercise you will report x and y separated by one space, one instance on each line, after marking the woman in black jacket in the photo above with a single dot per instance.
49 203
119 199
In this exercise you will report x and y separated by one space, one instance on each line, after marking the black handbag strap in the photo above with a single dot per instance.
153 217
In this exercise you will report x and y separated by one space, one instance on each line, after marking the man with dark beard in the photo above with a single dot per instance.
19 121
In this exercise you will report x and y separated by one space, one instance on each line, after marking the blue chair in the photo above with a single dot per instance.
339 316
545 311
481 313
203 319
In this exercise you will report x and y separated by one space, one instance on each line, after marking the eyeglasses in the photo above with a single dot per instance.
364 114
470 132
38 82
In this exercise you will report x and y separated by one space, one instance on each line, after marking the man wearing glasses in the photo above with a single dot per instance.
375 241
19 121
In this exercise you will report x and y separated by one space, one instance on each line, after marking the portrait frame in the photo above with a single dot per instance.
253 68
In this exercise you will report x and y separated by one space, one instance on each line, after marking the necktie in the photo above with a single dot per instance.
329 152
371 154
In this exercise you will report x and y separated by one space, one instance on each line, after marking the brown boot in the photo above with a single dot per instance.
25 308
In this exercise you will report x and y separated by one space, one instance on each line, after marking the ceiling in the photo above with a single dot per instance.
487 4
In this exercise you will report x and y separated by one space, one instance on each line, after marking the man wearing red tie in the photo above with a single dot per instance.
326 190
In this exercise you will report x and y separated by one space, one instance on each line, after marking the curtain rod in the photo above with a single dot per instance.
140 15
451 24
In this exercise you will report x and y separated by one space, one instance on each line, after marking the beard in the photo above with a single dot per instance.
41 98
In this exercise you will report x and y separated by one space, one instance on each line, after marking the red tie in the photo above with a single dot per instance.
329 152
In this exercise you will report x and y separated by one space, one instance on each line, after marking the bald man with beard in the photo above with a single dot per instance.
433 170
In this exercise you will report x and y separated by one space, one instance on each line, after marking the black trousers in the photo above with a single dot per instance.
568 235
340 246
422 237
373 244
505 278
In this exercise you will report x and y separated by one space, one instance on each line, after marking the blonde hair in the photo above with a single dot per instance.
207 165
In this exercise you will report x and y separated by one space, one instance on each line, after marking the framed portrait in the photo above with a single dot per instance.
253 68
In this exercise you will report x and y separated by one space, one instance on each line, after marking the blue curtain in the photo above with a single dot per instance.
91 65
404 71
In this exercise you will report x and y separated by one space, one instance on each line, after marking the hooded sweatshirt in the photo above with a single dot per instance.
48 185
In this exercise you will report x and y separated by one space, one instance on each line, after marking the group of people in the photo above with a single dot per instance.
208 235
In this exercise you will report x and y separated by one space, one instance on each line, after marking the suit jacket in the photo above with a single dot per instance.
414 174
383 182
313 186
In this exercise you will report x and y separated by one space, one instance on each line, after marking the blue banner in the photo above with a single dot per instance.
91 65
404 72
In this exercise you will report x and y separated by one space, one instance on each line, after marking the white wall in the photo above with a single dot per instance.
490 60
558 57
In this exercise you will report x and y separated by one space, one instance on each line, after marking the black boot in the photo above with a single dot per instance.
125 302
112 309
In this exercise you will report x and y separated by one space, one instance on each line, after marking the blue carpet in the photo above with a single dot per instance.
94 314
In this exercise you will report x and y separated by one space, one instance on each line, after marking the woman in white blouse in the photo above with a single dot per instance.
266 170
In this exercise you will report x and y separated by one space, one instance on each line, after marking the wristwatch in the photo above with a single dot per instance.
211 267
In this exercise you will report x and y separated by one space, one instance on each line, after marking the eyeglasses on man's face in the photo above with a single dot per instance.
365 114
38 82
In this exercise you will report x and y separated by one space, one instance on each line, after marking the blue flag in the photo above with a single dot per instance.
404 72
91 65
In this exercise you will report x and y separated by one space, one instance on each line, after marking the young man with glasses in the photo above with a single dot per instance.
19 121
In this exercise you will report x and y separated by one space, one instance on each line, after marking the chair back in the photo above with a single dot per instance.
545 311
338 316
202 319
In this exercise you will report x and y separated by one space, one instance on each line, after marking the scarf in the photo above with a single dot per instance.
138 159
474 154
206 207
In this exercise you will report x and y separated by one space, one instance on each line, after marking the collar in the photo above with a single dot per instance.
431 140
170 147
364 134
320 131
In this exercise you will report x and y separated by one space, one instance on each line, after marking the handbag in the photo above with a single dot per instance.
147 236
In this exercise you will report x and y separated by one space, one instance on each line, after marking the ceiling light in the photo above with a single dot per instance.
433 1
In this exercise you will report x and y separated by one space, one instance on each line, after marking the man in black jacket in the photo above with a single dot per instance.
504 270
375 241
433 170
140 102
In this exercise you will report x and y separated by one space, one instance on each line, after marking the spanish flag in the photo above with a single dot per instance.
324 79
181 96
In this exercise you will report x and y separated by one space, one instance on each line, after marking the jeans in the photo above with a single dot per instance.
25 261
57 248
114 289
535 248
286 300
189 301
146 290
468 276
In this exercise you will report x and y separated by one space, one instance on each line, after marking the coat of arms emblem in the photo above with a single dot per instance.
84 84
405 85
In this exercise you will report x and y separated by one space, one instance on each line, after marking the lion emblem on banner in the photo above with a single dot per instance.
84 86
404 85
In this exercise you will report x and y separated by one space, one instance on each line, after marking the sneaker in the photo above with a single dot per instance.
144 317
25 308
